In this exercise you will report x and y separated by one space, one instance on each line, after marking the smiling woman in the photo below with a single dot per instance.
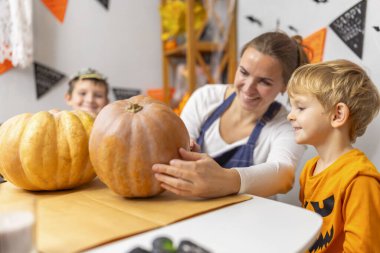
247 142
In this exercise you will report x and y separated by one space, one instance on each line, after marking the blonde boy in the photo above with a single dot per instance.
332 104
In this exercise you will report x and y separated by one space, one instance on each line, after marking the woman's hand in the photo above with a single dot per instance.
197 175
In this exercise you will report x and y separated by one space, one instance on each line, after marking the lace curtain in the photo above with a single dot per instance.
16 34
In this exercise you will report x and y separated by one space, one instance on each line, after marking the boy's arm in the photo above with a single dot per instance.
361 212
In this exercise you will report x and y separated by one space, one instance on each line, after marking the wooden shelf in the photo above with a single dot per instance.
194 50
201 46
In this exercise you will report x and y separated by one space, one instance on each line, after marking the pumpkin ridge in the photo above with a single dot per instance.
86 121
67 160
61 142
122 163
37 149
78 149
11 133
151 151
142 122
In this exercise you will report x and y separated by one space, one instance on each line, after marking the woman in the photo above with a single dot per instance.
250 144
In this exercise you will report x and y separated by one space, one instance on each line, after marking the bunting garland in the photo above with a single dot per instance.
350 27
45 78
121 93
5 66
315 45
104 3
57 8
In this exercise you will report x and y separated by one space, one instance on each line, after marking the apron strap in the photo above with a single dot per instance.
242 156
214 116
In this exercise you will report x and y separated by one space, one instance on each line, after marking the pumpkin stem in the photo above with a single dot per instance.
134 108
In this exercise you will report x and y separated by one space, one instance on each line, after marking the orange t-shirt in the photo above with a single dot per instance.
347 196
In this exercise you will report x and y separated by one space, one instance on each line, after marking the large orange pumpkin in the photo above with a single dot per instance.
46 150
131 135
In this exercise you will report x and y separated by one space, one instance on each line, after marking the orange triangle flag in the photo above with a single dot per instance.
5 66
57 7
315 45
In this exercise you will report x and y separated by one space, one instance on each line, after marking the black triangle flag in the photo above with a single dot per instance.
45 78
121 93
350 27
104 3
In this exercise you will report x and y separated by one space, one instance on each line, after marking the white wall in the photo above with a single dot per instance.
123 43
308 16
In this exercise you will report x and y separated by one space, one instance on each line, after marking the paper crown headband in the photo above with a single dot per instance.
89 73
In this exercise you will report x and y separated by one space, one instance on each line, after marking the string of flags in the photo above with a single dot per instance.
5 66
315 45
349 27
45 78
57 8
122 93
104 3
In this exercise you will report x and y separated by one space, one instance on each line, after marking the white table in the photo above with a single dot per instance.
257 225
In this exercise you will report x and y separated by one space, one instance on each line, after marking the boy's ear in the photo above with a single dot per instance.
68 98
340 115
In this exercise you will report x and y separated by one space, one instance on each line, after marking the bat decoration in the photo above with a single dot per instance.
255 20
293 28
377 28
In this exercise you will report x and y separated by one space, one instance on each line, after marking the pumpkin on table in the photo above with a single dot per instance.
131 135
46 150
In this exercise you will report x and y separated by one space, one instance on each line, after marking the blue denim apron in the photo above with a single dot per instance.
240 156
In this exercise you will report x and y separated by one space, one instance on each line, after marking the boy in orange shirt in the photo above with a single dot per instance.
88 91
332 104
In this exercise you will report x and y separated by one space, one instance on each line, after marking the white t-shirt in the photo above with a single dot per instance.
275 156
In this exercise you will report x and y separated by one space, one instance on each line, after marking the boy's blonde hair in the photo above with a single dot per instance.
338 81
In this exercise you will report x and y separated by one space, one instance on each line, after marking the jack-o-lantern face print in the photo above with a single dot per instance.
323 208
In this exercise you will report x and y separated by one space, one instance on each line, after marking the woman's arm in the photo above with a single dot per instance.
198 175
276 157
